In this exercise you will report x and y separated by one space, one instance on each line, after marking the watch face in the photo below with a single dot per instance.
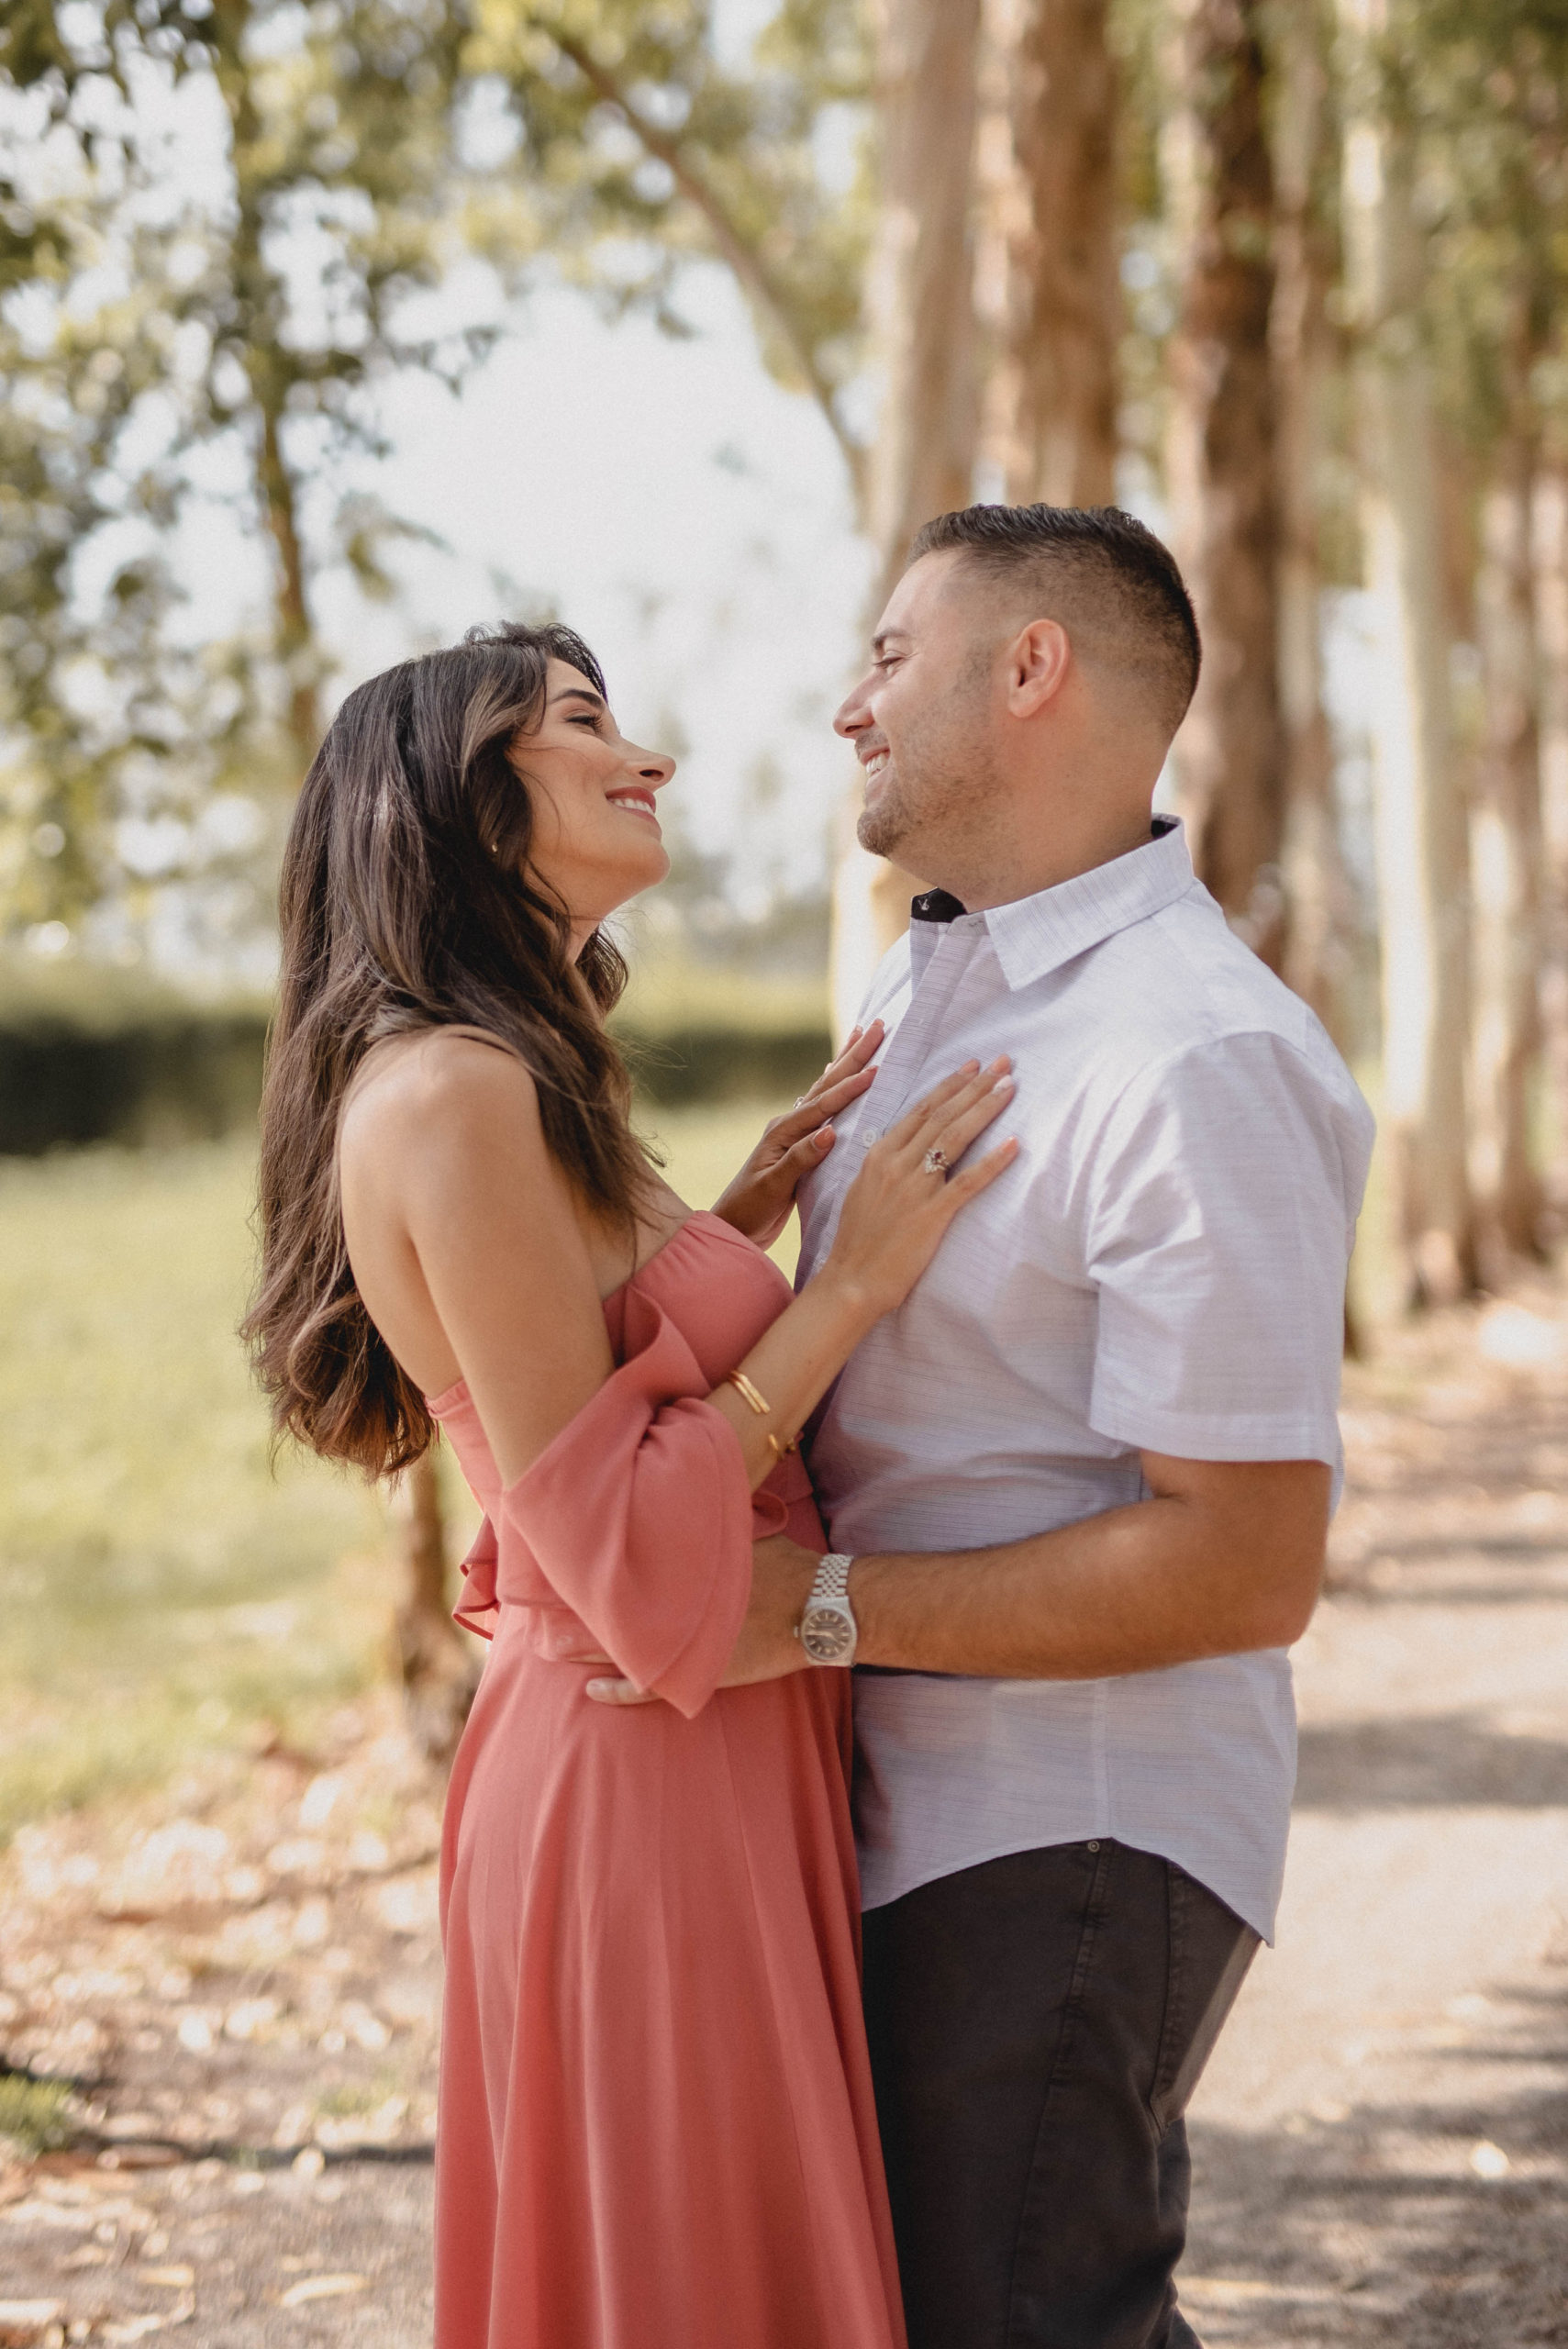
827 1634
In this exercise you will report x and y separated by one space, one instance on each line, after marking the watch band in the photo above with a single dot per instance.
832 1580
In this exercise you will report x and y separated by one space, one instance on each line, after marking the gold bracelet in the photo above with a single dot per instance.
781 1451
746 1392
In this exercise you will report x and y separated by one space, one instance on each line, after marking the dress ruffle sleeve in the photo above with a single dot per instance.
639 1517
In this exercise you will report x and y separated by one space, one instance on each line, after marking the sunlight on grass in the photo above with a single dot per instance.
163 1587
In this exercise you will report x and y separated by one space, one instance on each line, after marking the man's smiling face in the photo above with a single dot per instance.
921 717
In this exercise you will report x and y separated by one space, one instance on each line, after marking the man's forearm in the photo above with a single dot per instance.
1163 1581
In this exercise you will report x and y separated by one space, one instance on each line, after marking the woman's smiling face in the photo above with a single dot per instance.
596 837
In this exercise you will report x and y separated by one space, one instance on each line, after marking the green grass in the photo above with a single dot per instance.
162 1589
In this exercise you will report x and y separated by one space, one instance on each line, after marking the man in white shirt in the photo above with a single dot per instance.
1082 1478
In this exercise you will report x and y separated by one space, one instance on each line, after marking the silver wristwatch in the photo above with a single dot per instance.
828 1630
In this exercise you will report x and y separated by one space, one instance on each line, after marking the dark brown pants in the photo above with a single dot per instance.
1037 2024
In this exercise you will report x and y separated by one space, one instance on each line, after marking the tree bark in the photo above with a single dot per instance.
920 309
1550 551
439 1672
1230 753
1049 282
293 637
1422 876
920 289
1316 891
1506 852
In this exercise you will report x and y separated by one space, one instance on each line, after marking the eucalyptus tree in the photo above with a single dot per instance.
1496 123
1319 908
254 317
1051 294
1422 850
1222 460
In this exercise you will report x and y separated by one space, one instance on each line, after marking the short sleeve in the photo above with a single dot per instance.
1221 1209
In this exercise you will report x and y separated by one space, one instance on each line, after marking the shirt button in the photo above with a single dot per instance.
872 1133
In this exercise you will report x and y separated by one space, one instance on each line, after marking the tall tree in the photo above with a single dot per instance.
1312 864
340 130
1222 460
919 297
1550 557
1496 132
1050 286
921 317
1506 839
276 301
1422 860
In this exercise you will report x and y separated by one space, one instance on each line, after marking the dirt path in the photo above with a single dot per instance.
1381 2145
242 1981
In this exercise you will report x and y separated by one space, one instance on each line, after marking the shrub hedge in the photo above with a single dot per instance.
141 1067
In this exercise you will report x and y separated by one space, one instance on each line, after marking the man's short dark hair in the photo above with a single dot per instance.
1109 581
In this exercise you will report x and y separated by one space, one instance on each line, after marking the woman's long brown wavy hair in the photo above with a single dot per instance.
408 901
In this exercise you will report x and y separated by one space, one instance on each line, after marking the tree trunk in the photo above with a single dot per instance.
1506 850
921 291
439 1672
920 305
1551 566
1422 876
1230 753
293 637
1049 282
1316 891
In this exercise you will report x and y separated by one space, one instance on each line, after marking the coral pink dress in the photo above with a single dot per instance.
657 2129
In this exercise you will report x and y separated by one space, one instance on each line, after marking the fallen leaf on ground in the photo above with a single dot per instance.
319 2288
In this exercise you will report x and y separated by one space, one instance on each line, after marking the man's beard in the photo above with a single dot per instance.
883 827
948 796
944 777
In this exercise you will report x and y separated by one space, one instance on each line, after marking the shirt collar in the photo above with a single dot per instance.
1034 936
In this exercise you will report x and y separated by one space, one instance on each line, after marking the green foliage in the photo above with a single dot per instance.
146 318
641 148
1484 94
90 1056
35 2115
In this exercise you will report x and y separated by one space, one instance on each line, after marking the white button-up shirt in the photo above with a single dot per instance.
1162 1270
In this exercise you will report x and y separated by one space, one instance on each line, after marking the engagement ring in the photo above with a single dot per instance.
935 1162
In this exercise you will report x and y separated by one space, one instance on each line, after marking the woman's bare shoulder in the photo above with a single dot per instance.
442 1094
406 1082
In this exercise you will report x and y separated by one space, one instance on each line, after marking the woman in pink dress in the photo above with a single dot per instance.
656 2126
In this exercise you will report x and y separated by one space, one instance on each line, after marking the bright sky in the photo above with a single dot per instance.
687 516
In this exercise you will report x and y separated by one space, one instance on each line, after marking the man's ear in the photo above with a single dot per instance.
1038 665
